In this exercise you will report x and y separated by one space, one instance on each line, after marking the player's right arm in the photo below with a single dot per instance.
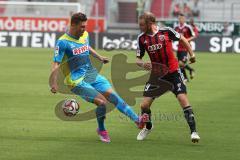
57 59
140 53
54 75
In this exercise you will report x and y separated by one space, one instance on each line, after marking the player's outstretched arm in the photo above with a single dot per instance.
142 64
53 78
189 49
98 56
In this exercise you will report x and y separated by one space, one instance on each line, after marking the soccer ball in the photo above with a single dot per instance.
70 107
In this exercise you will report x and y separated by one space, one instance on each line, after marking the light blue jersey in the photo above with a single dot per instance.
73 54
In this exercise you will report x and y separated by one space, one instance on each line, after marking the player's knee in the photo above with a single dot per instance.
183 100
100 101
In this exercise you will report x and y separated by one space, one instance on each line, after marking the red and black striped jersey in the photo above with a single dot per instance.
185 30
159 47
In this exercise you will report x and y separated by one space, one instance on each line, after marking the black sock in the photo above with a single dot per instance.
148 111
189 116
189 68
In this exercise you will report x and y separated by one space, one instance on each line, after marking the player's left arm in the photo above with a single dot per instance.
175 36
186 44
98 56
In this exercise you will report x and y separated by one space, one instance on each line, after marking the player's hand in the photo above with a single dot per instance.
147 66
192 59
54 88
104 60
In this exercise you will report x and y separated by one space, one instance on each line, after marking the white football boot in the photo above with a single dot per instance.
143 133
195 137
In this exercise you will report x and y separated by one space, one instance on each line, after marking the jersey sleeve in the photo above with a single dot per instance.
173 35
59 51
140 48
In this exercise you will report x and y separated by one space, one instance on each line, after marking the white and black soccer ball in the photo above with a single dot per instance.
70 107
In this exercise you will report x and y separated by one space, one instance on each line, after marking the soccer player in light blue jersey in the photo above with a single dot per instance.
73 48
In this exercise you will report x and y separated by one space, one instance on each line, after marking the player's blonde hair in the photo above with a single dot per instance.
148 17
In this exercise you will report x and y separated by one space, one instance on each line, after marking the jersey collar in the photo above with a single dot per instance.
181 27
72 36
154 32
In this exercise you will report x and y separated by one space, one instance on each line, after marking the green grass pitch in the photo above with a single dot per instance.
29 129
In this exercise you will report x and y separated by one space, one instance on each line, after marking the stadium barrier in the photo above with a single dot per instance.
214 44
110 41
212 28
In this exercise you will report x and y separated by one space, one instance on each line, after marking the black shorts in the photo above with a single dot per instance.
173 82
182 56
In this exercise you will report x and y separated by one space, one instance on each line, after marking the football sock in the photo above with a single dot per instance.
148 111
123 107
189 116
100 114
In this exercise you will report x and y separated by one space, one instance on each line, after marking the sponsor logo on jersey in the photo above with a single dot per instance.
161 37
154 47
80 50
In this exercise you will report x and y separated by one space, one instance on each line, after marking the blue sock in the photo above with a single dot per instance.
123 107
100 114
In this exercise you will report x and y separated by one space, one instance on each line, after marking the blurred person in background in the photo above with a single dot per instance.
176 10
228 29
195 9
187 10
185 30
194 27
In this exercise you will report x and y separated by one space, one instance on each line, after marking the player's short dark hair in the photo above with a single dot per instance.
78 17
148 17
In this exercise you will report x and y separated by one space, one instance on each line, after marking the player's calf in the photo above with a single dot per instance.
189 116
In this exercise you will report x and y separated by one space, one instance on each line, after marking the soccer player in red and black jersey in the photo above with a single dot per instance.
194 27
187 31
157 42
